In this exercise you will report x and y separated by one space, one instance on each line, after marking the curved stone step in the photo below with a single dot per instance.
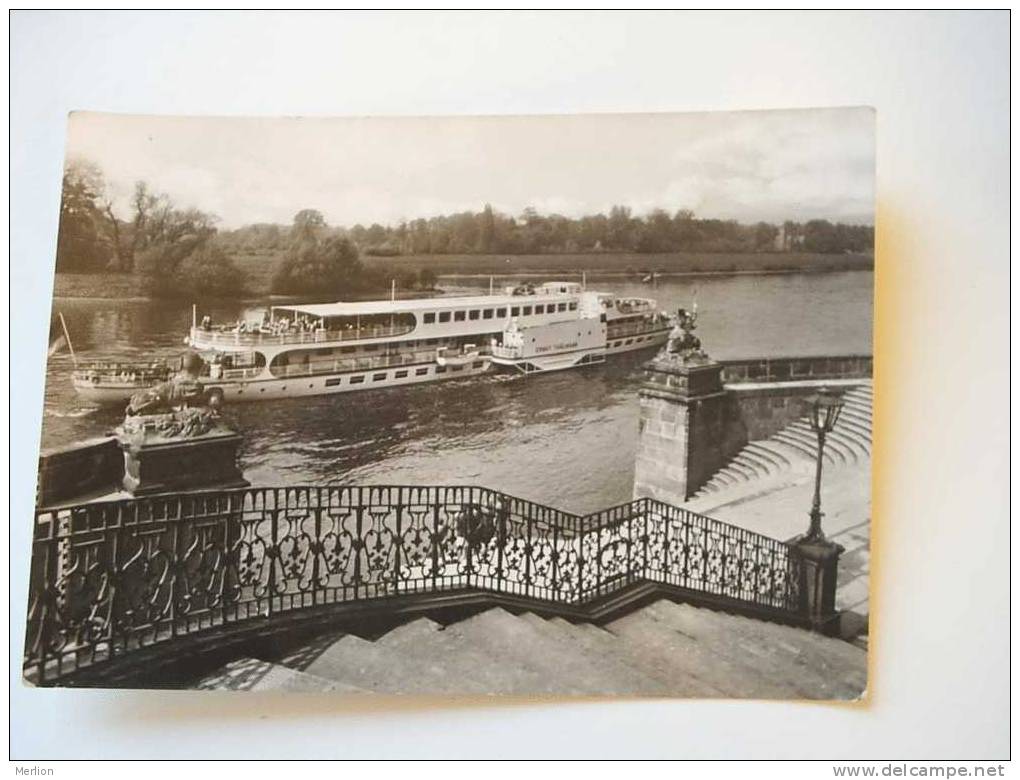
797 457
762 449
861 410
807 451
864 429
709 488
713 486
833 444
809 442
724 479
859 440
740 472
862 426
764 466
853 446
857 407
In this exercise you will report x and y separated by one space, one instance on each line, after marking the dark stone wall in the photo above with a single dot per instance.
784 369
766 411
718 432
66 473
691 425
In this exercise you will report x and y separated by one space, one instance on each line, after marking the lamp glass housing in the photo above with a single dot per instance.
825 409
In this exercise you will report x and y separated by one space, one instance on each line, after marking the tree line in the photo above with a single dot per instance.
491 232
181 252
171 248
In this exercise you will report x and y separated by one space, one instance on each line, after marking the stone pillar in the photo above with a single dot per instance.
689 428
85 469
154 464
819 566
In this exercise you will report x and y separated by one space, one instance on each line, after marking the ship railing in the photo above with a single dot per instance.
636 329
237 373
109 369
340 365
224 337
506 353
111 578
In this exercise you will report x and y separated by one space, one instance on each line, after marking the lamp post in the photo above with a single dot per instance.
825 409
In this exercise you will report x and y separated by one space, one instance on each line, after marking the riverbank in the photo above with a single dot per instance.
258 269
101 286
624 263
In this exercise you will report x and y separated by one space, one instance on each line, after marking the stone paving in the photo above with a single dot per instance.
780 509
662 649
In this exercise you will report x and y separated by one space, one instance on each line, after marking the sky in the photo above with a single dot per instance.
748 166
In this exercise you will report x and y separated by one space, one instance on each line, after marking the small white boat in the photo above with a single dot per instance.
468 354
115 382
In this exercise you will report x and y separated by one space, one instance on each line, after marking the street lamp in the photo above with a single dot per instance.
825 409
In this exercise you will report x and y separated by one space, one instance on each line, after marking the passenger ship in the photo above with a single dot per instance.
317 349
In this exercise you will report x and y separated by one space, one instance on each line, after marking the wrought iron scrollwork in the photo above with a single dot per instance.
111 577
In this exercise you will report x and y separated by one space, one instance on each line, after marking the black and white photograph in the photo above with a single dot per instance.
510 385
574 405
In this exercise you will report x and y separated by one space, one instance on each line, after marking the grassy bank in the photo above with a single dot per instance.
624 263
98 285
258 268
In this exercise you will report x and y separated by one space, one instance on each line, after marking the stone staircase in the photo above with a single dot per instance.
664 649
793 449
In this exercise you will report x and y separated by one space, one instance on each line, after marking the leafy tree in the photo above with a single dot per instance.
205 272
487 230
406 279
618 233
81 245
765 237
427 279
331 267
820 236
308 225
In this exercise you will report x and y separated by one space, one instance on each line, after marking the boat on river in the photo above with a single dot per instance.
114 382
318 349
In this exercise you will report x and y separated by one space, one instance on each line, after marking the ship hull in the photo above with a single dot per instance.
106 394
585 357
275 388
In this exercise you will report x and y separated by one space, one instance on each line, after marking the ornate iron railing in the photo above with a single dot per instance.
112 577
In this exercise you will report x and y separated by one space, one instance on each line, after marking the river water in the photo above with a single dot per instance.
566 438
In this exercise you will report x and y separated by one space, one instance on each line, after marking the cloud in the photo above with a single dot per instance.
768 165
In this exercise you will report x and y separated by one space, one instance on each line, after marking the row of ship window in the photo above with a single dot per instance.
359 379
380 346
622 343
431 317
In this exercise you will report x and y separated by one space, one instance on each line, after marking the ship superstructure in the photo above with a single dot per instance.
317 349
